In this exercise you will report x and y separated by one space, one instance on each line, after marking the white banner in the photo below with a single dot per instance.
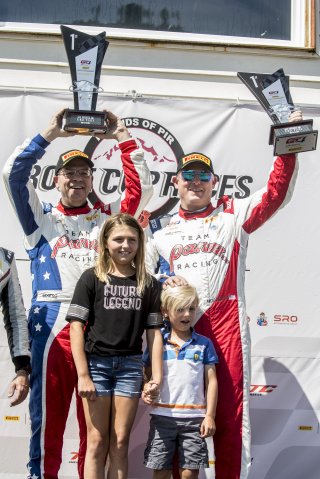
282 279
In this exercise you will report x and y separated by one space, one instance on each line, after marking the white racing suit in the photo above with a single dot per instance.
61 244
209 249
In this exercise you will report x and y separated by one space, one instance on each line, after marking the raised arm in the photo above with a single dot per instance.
138 183
17 172
253 212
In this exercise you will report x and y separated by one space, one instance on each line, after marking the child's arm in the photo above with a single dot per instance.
208 426
155 346
146 396
86 387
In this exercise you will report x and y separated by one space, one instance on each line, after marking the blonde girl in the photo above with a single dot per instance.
112 305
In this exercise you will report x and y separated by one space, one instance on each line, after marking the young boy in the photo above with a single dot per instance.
180 417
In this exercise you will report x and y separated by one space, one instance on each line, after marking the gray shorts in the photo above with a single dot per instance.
170 433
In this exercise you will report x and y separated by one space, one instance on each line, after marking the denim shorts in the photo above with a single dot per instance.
170 433
116 375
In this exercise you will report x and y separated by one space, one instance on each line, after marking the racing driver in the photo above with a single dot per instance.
16 325
61 242
208 244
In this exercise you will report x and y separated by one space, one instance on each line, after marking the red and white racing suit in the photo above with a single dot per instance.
61 244
209 249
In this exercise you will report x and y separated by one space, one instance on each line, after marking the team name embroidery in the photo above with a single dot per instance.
195 248
76 244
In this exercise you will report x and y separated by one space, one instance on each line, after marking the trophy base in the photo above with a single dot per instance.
84 121
293 137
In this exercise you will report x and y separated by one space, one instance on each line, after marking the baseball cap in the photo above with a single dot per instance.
70 155
192 158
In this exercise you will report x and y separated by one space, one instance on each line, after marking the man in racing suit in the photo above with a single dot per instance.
207 245
61 242
15 322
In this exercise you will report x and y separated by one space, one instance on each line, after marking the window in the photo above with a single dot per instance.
265 22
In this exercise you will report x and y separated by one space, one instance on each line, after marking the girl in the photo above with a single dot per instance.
112 305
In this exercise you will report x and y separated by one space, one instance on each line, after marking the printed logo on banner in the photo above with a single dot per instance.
262 320
261 389
161 150
285 319
74 457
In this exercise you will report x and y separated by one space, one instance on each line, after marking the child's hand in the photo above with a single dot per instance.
150 392
208 427
86 388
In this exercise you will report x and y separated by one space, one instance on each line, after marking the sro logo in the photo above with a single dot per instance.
285 319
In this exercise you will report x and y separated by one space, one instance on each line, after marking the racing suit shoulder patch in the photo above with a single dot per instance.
159 223
47 207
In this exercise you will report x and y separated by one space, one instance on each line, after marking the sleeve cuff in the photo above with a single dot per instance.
22 362
41 141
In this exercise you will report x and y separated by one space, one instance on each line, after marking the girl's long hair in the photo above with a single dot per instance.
104 264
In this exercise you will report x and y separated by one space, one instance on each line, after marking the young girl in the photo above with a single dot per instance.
112 305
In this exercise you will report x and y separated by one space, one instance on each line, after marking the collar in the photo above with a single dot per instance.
167 332
190 215
79 210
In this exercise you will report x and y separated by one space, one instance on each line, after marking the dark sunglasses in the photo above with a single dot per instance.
190 175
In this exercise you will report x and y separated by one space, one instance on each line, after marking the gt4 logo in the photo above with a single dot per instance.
296 139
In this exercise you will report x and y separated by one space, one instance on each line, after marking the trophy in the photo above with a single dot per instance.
272 92
85 55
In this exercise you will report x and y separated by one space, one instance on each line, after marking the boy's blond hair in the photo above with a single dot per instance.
178 297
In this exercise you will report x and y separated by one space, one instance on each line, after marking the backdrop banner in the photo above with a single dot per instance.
282 277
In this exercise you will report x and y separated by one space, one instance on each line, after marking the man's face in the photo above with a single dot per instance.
72 183
194 194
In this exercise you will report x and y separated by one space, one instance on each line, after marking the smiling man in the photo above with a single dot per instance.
73 178
61 242
206 244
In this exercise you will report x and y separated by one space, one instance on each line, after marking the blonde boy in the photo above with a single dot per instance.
183 414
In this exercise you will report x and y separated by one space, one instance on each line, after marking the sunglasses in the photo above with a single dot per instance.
190 175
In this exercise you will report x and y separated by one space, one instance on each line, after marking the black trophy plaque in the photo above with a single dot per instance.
273 93
85 55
